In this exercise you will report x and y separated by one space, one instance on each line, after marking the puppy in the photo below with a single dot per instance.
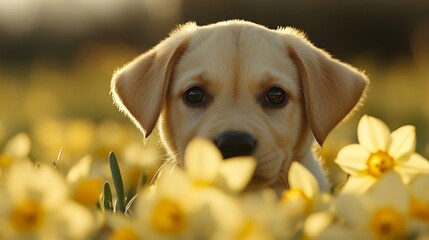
251 90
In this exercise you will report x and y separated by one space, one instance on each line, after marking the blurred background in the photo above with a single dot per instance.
57 58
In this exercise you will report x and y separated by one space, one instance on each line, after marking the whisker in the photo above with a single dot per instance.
155 176
168 158
174 167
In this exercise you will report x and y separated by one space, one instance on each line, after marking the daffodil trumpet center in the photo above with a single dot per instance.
246 231
5 160
124 234
388 223
419 209
88 191
296 195
379 163
168 217
27 216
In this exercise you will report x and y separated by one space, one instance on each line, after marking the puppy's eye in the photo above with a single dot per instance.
276 97
195 96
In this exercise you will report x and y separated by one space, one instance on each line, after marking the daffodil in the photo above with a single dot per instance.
206 167
35 205
321 225
85 188
383 213
139 160
15 150
171 210
378 152
256 215
123 228
254 219
304 196
419 204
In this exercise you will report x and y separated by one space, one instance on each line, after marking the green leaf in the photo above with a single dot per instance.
107 197
117 181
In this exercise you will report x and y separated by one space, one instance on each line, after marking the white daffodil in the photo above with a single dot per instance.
378 152
172 209
206 167
321 225
304 196
258 217
85 188
419 204
383 213
122 228
35 205
138 160
15 150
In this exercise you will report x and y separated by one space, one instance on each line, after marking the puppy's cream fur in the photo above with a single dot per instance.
236 62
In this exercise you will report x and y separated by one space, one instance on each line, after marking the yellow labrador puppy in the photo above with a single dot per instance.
249 89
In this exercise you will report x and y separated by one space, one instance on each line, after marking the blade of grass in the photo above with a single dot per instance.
107 197
117 181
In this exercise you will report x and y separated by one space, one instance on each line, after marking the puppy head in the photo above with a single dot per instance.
250 89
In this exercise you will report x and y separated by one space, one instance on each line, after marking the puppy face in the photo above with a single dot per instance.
232 88
251 90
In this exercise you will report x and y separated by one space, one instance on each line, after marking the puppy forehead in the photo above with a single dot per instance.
241 55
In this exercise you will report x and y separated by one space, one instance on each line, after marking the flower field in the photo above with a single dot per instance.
59 178
385 196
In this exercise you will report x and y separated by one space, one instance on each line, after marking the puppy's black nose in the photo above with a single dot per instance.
234 144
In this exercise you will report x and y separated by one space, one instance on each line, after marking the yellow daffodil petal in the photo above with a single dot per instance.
79 221
80 170
316 223
353 159
335 232
416 161
419 205
358 184
301 178
373 134
44 183
390 191
175 184
353 208
416 164
419 188
403 143
18 146
202 160
221 203
238 171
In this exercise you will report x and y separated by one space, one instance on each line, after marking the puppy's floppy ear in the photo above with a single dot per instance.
140 87
331 88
